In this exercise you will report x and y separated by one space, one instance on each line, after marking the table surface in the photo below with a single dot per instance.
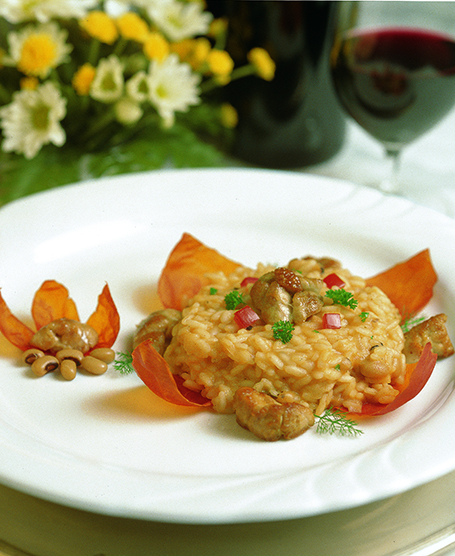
419 522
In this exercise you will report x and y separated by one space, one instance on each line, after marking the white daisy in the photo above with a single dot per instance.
137 87
18 11
108 83
173 87
180 20
37 49
32 120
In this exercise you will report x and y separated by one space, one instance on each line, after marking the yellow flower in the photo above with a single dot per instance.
263 63
83 78
30 83
220 63
192 51
200 53
100 26
132 27
218 27
229 116
37 49
183 49
38 54
156 47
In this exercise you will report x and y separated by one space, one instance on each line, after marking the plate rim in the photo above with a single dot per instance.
184 518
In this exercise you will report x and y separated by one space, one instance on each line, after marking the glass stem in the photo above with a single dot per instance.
390 183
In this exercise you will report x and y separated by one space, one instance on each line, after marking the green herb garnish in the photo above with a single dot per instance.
124 363
410 322
364 316
233 299
342 297
213 291
334 421
282 330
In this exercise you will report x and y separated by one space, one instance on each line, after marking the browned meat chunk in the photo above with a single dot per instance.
432 330
65 333
268 419
285 295
157 327
306 304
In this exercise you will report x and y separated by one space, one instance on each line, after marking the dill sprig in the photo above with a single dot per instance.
334 421
411 322
123 363
282 330
342 297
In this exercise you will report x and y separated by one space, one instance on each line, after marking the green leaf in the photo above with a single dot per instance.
50 168
152 149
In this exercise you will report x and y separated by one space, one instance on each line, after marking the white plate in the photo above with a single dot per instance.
109 445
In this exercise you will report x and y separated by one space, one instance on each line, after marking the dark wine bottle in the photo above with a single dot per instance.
294 120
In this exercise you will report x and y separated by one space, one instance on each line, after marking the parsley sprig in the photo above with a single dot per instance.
233 299
282 330
334 421
342 297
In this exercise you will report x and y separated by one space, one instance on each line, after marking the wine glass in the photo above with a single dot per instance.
393 68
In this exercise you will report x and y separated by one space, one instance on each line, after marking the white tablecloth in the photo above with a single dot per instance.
427 173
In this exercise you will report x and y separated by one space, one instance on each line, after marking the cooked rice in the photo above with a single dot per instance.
318 367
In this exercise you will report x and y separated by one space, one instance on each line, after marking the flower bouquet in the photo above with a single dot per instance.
90 88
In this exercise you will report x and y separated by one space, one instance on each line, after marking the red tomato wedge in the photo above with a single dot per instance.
105 320
417 376
183 275
154 371
52 302
409 285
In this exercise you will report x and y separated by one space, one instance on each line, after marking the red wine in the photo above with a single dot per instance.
395 82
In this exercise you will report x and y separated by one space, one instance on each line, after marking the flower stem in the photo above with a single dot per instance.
238 73
94 52
107 118
5 96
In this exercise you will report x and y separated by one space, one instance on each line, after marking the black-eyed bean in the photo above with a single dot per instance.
31 355
71 354
45 364
68 369
104 354
93 365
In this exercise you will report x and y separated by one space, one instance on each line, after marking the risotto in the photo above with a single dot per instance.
318 366
282 346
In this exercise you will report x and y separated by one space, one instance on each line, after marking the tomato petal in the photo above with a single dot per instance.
105 320
13 329
409 284
418 375
52 302
154 371
183 275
